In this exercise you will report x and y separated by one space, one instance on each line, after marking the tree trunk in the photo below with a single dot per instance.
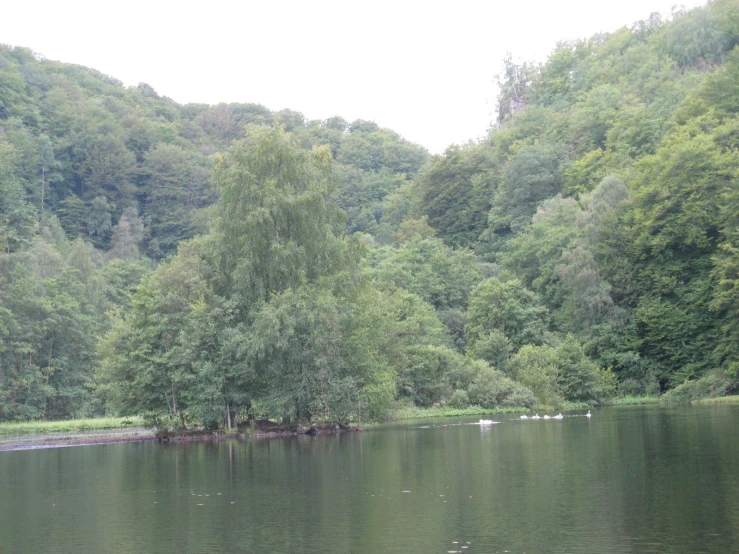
228 408
43 189
48 371
228 416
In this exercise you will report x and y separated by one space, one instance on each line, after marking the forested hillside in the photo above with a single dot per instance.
195 264
608 187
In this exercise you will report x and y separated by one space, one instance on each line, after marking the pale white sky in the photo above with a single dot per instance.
424 69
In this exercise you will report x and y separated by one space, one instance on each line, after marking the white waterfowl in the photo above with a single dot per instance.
524 417
547 417
487 422
588 414
535 416
558 416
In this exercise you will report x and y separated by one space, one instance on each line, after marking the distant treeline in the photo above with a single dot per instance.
196 264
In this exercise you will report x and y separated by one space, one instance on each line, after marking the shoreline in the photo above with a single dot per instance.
30 442
118 435
38 442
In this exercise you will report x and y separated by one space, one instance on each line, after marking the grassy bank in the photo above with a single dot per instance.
413 412
719 400
71 426
399 413
633 400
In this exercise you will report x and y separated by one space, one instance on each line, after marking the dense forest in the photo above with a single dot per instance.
199 264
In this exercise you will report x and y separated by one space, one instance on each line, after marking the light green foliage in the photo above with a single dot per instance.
16 429
361 195
584 174
702 37
493 389
713 384
416 348
268 312
561 373
534 367
370 148
725 301
598 110
425 266
675 228
535 254
17 216
459 399
47 334
317 358
455 193
493 347
412 229
276 226
177 182
398 206
533 174
122 277
128 234
145 369
718 91
579 378
98 223
589 300
508 307
602 208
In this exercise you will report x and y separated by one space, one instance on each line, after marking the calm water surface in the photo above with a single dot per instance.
638 479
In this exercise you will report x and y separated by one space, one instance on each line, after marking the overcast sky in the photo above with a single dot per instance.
424 69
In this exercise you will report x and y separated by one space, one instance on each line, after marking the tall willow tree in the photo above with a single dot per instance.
263 312
278 249
276 227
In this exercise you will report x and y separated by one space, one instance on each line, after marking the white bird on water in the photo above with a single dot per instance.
487 422
535 416
558 416
524 417
588 414
547 417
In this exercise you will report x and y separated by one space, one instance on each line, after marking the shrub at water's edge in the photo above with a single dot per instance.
634 400
714 384
719 400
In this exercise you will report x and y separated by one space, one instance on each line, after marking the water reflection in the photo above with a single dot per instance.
626 480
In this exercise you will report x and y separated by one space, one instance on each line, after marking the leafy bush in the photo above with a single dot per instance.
579 379
561 373
534 367
493 347
492 389
711 385
460 399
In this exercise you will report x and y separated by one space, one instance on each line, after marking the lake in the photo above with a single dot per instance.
631 479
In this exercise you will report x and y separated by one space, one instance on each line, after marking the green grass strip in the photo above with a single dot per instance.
15 429
633 400
718 400
420 413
